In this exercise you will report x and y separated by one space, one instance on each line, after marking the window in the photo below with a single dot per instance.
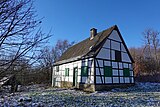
84 70
107 71
126 72
57 68
118 57
66 71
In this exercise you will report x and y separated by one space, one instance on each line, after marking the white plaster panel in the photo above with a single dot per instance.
132 80
71 72
61 67
70 65
115 72
84 79
100 62
75 65
115 45
91 80
86 62
92 71
125 57
104 53
54 68
107 63
83 64
66 65
79 79
89 71
79 71
114 65
58 79
120 65
126 79
115 80
107 44
125 65
107 54
79 64
108 79
121 79
121 72
55 73
131 73
123 48
98 79
71 79
113 55
66 78
115 36
130 67
96 63
97 71
90 64
102 71
62 78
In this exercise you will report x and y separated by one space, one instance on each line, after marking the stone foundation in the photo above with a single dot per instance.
93 87
109 87
87 87
65 84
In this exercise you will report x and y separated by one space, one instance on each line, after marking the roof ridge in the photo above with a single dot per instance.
83 48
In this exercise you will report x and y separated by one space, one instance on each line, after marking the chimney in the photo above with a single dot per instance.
93 33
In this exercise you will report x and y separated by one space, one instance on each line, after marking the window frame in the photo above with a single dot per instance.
126 72
118 56
66 72
84 74
108 71
57 68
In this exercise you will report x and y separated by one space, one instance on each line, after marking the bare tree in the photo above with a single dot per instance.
147 34
151 38
155 42
60 48
49 55
19 35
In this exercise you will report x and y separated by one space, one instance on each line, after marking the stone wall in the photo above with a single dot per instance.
109 87
84 87
65 84
87 87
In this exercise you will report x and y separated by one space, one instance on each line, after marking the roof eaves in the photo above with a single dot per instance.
68 60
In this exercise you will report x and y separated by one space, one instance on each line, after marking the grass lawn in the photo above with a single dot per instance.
140 95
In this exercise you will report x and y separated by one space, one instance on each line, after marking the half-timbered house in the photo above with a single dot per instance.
99 62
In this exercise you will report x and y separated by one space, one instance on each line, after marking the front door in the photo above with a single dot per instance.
75 75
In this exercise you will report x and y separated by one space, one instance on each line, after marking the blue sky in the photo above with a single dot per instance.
73 19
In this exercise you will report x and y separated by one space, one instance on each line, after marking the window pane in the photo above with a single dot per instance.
84 71
107 71
126 72
66 71
57 68
118 56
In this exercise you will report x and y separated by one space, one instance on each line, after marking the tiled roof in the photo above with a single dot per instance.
87 47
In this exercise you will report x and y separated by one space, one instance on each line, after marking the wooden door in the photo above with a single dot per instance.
75 76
